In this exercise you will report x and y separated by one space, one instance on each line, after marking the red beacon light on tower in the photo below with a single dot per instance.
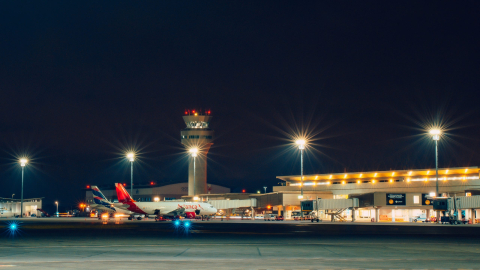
124 184
152 183
88 186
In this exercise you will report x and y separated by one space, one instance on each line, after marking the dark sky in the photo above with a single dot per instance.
82 81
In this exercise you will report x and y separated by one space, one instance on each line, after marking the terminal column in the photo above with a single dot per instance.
377 214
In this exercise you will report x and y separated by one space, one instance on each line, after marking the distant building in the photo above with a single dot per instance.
30 206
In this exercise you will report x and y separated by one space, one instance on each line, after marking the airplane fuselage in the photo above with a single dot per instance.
192 209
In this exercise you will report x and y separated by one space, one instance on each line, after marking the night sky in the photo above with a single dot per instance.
81 82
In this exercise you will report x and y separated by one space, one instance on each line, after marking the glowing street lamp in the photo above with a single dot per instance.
194 153
131 158
301 145
57 207
436 137
23 163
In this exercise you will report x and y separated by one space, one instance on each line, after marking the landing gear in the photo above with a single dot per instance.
139 218
130 218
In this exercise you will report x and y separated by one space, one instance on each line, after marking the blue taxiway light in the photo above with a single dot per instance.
187 224
177 222
13 226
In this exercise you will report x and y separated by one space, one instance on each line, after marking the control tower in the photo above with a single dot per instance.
198 135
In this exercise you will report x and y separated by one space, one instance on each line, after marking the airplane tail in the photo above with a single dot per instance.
98 196
100 199
122 194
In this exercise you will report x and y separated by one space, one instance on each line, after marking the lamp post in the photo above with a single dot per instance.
301 145
265 189
131 158
23 163
56 202
436 137
194 153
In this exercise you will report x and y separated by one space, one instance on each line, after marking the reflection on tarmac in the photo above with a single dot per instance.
78 244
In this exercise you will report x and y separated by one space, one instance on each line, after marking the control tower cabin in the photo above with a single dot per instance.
198 135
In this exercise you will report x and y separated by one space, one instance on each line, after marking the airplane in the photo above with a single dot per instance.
164 209
4 213
104 205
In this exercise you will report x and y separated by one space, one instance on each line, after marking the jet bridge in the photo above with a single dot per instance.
333 207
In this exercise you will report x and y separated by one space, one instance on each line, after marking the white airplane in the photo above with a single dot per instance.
4 213
104 205
165 209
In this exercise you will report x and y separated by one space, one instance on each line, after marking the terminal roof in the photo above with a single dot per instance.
382 174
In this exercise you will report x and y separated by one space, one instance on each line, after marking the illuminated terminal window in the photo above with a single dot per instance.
416 199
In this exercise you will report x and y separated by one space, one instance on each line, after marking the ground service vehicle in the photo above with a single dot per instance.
269 217
422 217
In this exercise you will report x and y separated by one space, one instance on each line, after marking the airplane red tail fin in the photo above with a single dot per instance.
122 194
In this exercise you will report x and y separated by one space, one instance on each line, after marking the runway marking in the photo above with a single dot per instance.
7 265
181 252
259 253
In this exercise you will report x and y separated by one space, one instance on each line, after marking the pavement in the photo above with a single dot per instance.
78 243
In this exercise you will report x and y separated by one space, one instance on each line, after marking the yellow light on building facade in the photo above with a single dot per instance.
410 173
330 176
466 170
345 176
375 175
393 173
446 171
328 183
358 181
408 180
361 175
156 199
391 180
373 181
343 182
316 177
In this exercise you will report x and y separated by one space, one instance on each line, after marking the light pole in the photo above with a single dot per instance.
194 153
23 162
13 195
131 158
301 145
265 189
57 207
436 136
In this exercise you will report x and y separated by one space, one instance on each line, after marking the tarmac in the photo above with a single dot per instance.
82 243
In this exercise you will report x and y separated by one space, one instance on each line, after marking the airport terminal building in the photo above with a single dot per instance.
397 195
